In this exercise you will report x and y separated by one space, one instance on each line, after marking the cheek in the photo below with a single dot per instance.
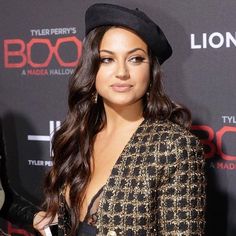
144 81
103 75
143 77
100 81
99 78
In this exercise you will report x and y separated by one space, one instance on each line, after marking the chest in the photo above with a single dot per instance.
107 151
135 168
130 195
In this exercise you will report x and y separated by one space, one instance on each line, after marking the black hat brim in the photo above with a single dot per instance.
113 15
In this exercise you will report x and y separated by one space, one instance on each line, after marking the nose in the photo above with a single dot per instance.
122 71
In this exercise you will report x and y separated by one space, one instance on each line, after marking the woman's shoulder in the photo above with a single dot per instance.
174 143
167 130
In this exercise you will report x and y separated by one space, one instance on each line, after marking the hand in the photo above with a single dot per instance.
40 222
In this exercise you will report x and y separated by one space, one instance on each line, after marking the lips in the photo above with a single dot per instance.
118 87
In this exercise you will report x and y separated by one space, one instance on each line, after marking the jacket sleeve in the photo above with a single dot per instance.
181 195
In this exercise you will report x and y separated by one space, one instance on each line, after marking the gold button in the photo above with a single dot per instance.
111 233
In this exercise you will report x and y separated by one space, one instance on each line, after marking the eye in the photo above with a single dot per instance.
137 59
106 60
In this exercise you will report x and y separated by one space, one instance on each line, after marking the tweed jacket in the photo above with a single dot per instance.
156 187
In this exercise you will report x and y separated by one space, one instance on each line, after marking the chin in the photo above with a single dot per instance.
122 102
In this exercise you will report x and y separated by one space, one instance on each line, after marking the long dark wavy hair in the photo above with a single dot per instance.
73 142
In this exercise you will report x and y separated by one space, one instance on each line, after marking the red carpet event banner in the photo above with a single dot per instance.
40 45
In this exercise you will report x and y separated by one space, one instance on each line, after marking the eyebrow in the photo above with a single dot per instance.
129 52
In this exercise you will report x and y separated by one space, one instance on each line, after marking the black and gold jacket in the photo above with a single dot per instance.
157 186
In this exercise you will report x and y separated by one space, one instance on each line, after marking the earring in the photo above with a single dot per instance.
148 91
95 97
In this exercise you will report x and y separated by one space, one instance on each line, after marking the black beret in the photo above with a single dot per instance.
101 14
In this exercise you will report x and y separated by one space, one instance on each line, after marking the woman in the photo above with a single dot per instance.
124 160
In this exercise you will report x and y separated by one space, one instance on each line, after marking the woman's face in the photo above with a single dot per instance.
123 75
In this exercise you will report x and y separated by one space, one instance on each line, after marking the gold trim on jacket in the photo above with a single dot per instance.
157 186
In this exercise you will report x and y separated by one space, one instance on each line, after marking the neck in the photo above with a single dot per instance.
121 116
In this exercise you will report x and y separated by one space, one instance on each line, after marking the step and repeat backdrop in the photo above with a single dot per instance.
40 43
